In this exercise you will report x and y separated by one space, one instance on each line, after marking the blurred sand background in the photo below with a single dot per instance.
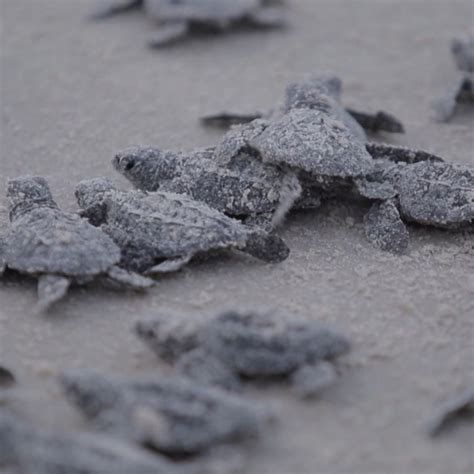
75 92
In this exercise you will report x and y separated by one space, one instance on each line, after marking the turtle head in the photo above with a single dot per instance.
146 167
26 193
308 93
91 196
463 52
91 191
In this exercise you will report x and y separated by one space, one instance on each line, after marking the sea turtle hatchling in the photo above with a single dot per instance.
160 231
31 450
251 345
429 192
463 89
56 247
242 187
173 415
307 93
178 18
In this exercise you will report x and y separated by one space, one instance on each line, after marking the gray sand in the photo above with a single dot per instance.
73 93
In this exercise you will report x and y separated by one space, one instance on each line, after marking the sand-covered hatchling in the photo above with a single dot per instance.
56 247
173 415
462 89
179 18
27 449
242 187
159 232
415 187
308 93
235 345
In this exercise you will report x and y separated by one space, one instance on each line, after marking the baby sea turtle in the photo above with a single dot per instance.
242 187
252 345
173 415
429 192
463 89
160 231
56 247
452 409
178 18
30 450
307 93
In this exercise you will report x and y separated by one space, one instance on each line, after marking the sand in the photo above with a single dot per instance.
73 93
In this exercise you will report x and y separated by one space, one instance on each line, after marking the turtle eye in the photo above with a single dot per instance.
129 165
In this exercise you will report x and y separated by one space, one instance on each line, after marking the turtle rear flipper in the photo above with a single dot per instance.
169 33
310 380
170 265
384 227
268 17
400 153
51 289
444 107
206 368
267 247
227 119
128 279
379 122
115 8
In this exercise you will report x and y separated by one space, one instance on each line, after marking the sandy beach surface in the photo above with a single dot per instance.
74 92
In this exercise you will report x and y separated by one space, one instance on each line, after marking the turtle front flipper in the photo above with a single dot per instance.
444 107
227 119
267 247
169 33
400 154
51 289
115 8
459 405
170 265
7 378
384 227
206 368
128 279
290 191
379 122
311 379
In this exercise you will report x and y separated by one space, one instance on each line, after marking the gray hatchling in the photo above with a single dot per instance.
160 231
242 187
414 187
233 345
308 93
461 404
173 415
30 450
56 247
179 18
463 89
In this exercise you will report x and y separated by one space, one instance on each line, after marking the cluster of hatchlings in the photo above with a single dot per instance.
234 196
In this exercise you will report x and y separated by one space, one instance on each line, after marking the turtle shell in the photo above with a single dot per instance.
170 225
438 194
269 345
47 240
313 141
